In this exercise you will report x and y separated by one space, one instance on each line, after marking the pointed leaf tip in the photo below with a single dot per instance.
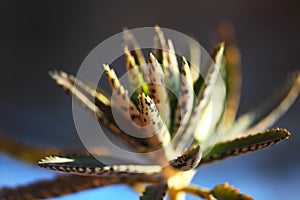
189 160
245 144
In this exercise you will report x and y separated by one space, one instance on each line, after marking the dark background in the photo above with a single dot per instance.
37 36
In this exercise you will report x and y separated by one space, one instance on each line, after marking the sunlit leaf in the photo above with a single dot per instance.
158 90
155 125
245 144
184 108
132 44
88 165
85 102
226 192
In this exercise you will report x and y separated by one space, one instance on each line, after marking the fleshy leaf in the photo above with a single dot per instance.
157 88
165 53
68 81
155 192
121 98
137 144
209 109
163 46
267 114
189 160
155 125
61 185
135 74
132 44
245 144
26 152
184 107
195 59
88 165
226 192
231 72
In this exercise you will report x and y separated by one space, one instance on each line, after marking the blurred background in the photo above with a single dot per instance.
37 36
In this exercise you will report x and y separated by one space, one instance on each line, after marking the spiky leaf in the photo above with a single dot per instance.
154 192
226 192
88 165
188 160
244 144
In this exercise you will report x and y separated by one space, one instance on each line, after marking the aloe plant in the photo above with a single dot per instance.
167 175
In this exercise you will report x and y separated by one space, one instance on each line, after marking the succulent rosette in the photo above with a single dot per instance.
185 118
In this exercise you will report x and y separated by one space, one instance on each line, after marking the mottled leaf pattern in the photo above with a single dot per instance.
155 192
211 99
158 90
88 165
135 74
155 127
184 109
121 99
177 140
68 86
245 144
188 160
165 53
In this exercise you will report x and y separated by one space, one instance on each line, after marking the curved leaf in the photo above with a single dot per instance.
246 144
88 165
226 192
265 115
63 81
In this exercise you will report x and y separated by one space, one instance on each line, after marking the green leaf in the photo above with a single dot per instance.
267 114
154 192
135 76
184 109
88 165
209 110
246 144
226 192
